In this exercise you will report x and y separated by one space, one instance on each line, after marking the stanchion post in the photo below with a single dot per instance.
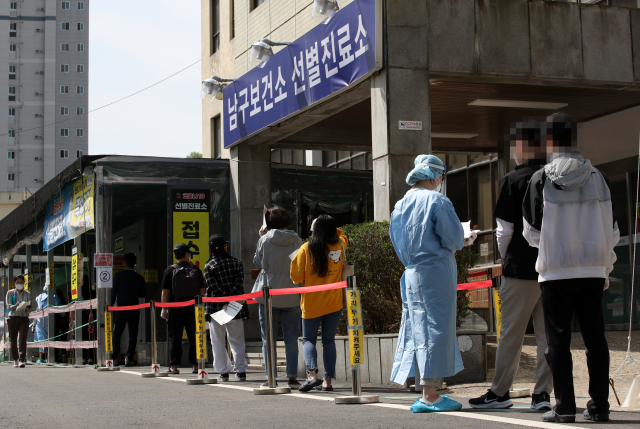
270 358
201 346
108 344
356 338
155 368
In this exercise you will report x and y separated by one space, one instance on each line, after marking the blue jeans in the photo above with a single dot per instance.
290 318
309 337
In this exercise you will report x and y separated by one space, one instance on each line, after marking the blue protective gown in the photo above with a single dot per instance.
426 232
42 324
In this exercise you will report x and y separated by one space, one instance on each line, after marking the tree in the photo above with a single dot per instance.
194 155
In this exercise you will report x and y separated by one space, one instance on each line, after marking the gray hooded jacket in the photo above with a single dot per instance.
272 255
568 216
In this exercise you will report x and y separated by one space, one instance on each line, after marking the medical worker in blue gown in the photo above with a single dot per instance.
426 232
42 324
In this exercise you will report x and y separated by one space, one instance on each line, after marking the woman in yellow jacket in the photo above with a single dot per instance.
320 262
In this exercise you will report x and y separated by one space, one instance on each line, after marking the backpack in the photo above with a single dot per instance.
186 282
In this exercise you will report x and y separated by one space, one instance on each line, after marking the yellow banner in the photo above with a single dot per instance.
356 333
150 276
81 213
200 325
26 282
76 274
201 346
107 321
108 343
497 303
192 229
116 270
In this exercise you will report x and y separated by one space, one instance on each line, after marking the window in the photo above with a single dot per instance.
11 155
38 115
39 30
11 177
38 158
64 110
256 3
12 72
12 93
66 5
39 137
80 68
64 68
64 153
12 47
79 89
80 5
64 47
216 137
79 132
79 111
39 51
64 89
12 111
12 133
39 9
80 47
215 26
13 5
13 28
81 26
64 132
39 72
39 94
79 153
64 26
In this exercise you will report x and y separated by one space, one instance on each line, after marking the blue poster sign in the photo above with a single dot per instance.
330 57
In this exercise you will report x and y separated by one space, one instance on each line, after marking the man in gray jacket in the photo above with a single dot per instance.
575 256
272 256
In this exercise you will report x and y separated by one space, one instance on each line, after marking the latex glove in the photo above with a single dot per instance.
165 313
263 230
472 237
606 285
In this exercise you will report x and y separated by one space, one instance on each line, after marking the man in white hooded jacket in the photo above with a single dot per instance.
568 215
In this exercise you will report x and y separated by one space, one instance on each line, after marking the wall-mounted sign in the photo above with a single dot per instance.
410 125
330 57
191 222
119 247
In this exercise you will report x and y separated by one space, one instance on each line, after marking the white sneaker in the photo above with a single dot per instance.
22 364
15 363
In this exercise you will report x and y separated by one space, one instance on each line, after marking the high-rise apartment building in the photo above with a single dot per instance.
44 64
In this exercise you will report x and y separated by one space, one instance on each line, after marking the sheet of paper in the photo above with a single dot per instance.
466 226
293 255
264 217
23 305
225 316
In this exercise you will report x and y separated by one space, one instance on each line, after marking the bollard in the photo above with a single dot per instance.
108 342
270 358
201 347
356 337
155 368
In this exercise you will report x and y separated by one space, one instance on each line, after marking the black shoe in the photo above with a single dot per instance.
128 362
241 376
540 401
323 389
552 416
595 417
223 378
173 371
310 384
491 400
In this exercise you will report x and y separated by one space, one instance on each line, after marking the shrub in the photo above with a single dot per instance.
378 272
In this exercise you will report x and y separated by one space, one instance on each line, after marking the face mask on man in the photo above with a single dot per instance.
19 286
439 187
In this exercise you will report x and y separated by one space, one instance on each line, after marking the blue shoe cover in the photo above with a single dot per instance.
446 404
40 361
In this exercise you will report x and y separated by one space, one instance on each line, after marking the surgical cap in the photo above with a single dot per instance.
426 167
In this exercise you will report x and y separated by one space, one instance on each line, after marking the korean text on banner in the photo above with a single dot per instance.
497 302
27 286
191 222
325 60
200 322
76 274
201 346
356 331
69 213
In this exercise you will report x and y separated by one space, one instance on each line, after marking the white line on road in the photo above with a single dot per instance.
467 415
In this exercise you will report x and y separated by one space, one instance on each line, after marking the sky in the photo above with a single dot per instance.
133 44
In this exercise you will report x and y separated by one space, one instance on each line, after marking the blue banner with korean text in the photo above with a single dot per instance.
330 57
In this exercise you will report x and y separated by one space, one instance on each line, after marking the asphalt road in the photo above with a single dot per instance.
58 397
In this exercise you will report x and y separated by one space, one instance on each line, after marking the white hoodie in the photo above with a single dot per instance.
568 215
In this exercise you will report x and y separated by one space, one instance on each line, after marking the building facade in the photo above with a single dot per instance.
44 64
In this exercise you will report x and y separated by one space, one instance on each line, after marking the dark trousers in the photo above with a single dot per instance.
18 325
130 318
182 318
561 299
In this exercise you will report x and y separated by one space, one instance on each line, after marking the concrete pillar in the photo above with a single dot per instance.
27 265
77 242
51 329
250 192
400 93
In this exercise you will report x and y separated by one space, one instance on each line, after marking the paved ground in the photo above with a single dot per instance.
81 397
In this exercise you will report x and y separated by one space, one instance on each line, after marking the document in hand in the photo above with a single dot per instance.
23 305
466 226
225 316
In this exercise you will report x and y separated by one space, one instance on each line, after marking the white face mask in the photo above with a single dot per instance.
439 187
19 286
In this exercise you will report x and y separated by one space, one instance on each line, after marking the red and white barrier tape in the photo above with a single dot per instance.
60 345
84 305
